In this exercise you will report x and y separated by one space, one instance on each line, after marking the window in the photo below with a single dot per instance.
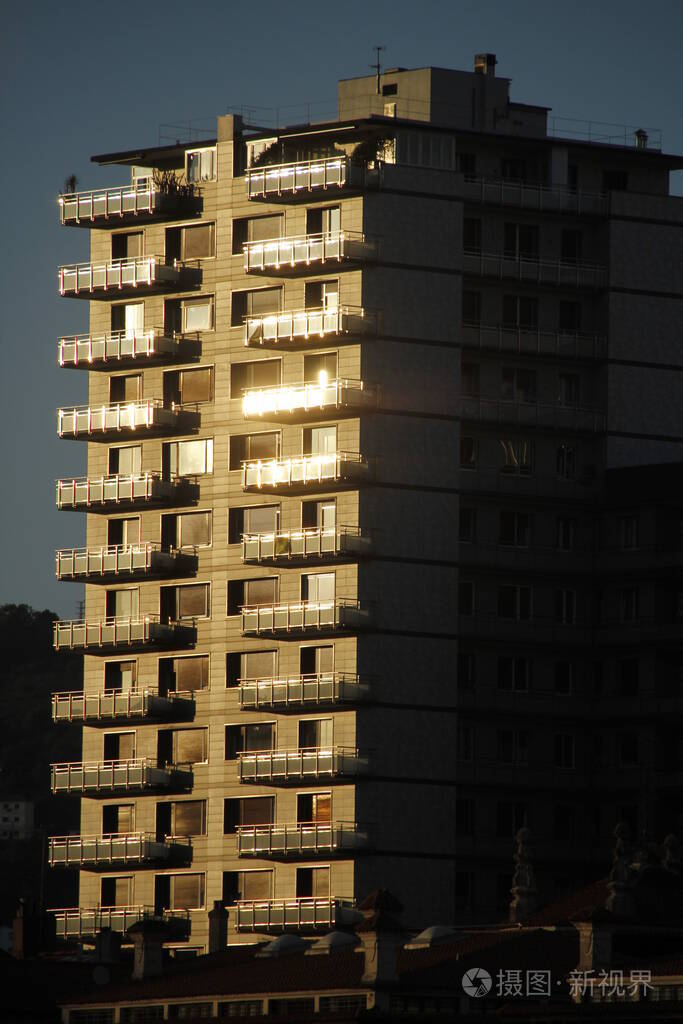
518 456
200 164
243 593
180 675
571 243
322 295
564 752
628 604
255 810
466 163
188 458
323 220
254 303
118 746
565 532
510 817
467 670
568 391
181 818
628 677
520 311
247 885
564 678
252 447
184 316
512 746
187 891
120 676
514 602
126 461
350 1005
520 241
117 819
569 317
614 181
128 317
313 883
464 817
320 366
514 674
182 746
565 606
470 379
257 373
628 532
471 234
188 387
514 528
123 532
465 597
245 738
251 520
196 242
468 453
318 586
518 384
565 461
464 743
471 307
188 601
390 89
467 522
512 169
186 529
464 890
116 892
313 808
190 1011
126 388
564 821
127 245
319 440
256 229
241 1008
250 665
123 604
321 515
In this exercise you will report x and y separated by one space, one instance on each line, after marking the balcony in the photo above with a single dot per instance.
300 914
123 561
141 200
280 767
87 922
524 195
298 402
532 414
305 545
564 273
124 348
104 777
106 422
123 277
104 635
298 179
305 473
299 253
121 706
117 493
297 617
300 840
301 691
306 328
107 851
531 341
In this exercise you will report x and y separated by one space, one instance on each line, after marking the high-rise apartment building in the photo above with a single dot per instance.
355 388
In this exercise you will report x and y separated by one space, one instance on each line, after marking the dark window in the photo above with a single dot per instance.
471 234
512 746
521 241
514 602
518 456
251 592
628 677
566 529
564 750
464 890
257 373
564 821
189 601
467 670
471 307
464 744
514 528
614 181
565 461
259 302
464 817
244 738
513 169
571 244
514 674
520 311
466 163
466 597
177 675
503 892
251 520
564 678
188 387
250 665
251 447
126 245
627 746
467 524
182 746
470 378
518 384
258 810
468 453
255 229
510 817
390 89
569 316
565 606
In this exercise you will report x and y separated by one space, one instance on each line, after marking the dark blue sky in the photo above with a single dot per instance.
82 78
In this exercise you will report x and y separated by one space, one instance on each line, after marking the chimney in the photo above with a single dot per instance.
148 938
641 138
33 931
485 64
218 927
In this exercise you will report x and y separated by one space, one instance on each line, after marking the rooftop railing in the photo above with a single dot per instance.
99 351
567 273
293 765
293 400
303 839
296 326
126 273
533 341
89 420
84 922
299 251
118 489
120 560
304 470
532 196
119 705
299 690
294 178
300 616
121 848
111 776
122 631
307 543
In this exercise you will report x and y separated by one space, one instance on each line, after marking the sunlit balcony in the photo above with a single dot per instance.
297 179
104 777
121 706
300 840
104 635
87 922
299 914
299 253
309 544
129 276
301 691
532 341
564 273
532 414
297 617
119 492
527 196
285 766
306 328
123 561
141 200
104 422
305 472
297 402
137 848
123 348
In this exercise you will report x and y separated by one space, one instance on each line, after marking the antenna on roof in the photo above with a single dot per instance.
378 66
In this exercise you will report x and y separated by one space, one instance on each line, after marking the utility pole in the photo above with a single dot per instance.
377 67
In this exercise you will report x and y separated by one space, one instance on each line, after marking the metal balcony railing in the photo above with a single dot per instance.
122 560
308 543
300 616
119 705
111 776
298 400
121 631
299 251
98 351
567 273
282 766
102 420
531 414
300 914
295 326
302 176
122 848
300 690
532 341
84 922
142 198
304 470
128 273
530 196
106 491
303 839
